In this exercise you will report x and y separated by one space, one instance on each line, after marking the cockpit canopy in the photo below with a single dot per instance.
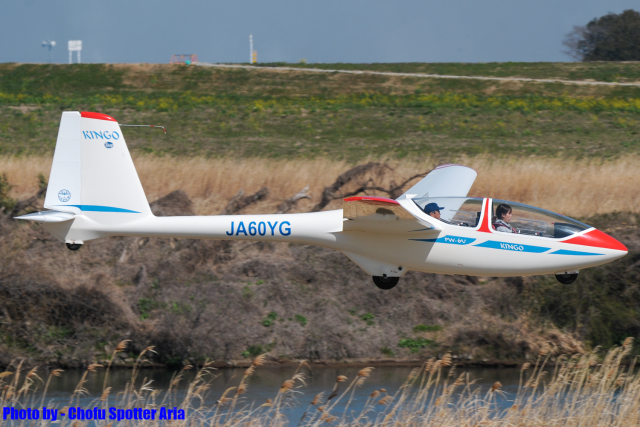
525 219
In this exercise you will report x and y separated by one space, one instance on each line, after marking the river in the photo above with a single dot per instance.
265 383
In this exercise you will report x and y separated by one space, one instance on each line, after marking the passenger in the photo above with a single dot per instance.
502 218
433 210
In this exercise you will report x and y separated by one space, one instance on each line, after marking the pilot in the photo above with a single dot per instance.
433 210
502 218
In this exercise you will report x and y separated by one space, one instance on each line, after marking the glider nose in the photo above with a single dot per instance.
603 240
598 239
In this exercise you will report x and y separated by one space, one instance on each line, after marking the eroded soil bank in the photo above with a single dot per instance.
229 301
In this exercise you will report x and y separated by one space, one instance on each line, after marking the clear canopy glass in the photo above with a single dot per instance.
524 219
462 211
534 221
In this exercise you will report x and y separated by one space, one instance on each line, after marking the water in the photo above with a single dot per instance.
265 383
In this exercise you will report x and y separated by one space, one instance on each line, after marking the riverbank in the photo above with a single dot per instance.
227 302
272 363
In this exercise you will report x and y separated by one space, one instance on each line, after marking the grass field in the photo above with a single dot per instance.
568 148
284 115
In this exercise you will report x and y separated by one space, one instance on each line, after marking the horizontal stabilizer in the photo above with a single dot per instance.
380 215
48 216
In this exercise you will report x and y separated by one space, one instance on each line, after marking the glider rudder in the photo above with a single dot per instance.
92 170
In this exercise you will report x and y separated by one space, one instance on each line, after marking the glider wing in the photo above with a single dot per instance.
444 181
380 215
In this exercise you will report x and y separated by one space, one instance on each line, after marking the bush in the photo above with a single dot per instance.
427 328
270 319
368 317
387 352
415 344
145 305
252 351
6 202
301 319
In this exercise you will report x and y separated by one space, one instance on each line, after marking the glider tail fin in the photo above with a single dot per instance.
92 170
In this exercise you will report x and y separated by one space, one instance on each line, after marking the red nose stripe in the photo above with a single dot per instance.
98 116
598 239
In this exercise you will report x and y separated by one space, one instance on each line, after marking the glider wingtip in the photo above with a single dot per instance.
448 165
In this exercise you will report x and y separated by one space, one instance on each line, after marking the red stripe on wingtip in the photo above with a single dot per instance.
97 116
597 239
371 199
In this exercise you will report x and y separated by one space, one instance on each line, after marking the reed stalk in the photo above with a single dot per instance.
586 390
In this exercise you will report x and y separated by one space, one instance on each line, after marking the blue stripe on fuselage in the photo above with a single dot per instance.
566 252
514 247
493 244
97 208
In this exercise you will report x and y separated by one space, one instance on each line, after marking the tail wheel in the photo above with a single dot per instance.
383 282
74 246
567 278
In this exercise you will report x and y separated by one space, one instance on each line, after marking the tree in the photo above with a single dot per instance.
608 38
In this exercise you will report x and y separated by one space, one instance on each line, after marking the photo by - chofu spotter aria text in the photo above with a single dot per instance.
94 192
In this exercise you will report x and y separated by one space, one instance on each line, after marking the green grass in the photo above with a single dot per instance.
415 344
253 351
387 352
598 71
368 318
301 320
146 305
427 328
270 319
259 113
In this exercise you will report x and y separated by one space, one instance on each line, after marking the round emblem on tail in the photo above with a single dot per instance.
108 144
64 195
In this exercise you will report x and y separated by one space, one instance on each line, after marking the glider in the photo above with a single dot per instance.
94 192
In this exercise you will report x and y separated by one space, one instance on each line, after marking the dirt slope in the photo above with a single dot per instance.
228 301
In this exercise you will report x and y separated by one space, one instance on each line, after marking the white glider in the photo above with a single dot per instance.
94 191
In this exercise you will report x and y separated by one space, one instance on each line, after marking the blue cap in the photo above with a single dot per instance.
432 207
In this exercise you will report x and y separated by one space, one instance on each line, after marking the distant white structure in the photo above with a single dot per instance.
49 45
75 46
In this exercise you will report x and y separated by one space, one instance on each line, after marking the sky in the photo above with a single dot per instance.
359 31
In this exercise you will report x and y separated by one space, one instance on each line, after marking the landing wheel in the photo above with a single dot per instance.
74 246
567 278
385 282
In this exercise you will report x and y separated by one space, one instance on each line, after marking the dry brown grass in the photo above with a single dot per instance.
579 188
588 389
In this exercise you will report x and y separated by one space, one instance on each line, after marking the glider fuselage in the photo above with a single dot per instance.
476 251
